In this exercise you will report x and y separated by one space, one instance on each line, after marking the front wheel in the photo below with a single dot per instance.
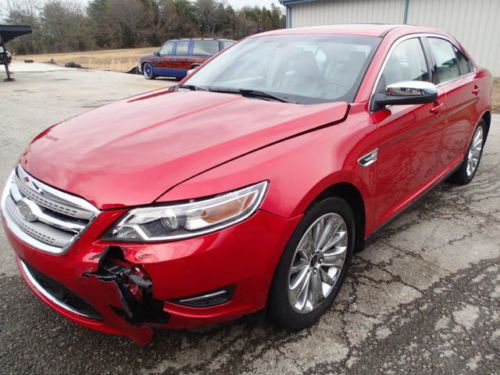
467 170
147 70
313 266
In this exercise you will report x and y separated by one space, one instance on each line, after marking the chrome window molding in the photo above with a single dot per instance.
43 217
411 36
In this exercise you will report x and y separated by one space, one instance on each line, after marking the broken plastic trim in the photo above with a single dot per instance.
134 286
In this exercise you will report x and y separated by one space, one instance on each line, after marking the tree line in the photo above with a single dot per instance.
66 26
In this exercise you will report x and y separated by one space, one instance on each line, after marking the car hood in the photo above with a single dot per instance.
130 152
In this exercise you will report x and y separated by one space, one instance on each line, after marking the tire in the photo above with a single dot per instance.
284 309
467 170
147 71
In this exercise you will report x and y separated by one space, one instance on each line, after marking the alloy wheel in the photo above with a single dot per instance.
475 151
148 71
317 263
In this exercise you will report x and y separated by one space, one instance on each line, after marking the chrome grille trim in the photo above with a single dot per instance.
40 231
53 199
55 219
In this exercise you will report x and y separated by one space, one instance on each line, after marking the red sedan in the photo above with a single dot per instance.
249 185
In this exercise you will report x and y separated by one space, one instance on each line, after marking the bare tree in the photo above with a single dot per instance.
62 25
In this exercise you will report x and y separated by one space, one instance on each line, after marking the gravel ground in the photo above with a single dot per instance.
424 298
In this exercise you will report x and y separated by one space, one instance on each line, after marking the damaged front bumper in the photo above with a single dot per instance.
132 289
129 306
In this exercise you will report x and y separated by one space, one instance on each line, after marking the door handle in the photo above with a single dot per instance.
476 90
437 108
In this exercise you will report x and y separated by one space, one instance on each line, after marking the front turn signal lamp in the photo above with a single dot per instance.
172 222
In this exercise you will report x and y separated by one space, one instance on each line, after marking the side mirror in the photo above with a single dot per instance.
407 92
156 53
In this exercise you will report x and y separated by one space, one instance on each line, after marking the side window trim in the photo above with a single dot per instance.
431 64
409 36
174 48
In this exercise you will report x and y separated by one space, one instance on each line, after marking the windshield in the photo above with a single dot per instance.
302 69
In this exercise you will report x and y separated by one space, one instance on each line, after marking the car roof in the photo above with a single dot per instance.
367 29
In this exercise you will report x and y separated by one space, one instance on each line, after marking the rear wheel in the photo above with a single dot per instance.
313 266
147 70
467 170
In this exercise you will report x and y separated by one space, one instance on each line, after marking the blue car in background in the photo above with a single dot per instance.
177 56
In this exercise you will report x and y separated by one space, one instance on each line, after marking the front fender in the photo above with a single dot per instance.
298 169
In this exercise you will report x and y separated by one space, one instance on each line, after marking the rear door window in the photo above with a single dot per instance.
227 43
464 64
205 47
447 67
182 48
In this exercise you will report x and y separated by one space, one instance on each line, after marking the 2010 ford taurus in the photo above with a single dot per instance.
249 185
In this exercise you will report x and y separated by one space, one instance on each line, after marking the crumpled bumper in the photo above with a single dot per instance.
135 288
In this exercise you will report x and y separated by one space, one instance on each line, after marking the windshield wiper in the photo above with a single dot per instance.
192 87
262 94
250 93
223 90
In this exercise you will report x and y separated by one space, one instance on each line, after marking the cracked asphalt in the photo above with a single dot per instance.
423 298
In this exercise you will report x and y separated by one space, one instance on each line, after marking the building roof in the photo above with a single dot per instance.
9 32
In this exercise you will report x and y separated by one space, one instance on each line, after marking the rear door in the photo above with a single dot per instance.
410 137
454 75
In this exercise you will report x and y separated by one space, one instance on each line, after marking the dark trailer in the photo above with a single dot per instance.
9 32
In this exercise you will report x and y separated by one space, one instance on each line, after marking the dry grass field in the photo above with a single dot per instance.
118 60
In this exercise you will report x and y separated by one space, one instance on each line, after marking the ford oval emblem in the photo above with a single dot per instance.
25 211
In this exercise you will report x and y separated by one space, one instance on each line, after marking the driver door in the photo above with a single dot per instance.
165 55
410 136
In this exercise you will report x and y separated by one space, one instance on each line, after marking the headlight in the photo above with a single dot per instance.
171 222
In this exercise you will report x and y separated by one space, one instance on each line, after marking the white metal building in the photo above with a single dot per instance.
475 23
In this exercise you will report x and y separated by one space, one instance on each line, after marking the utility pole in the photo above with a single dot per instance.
406 5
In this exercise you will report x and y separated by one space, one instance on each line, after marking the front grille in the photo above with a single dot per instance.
58 293
48 219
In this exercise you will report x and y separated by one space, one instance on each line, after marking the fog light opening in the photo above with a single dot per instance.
208 299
